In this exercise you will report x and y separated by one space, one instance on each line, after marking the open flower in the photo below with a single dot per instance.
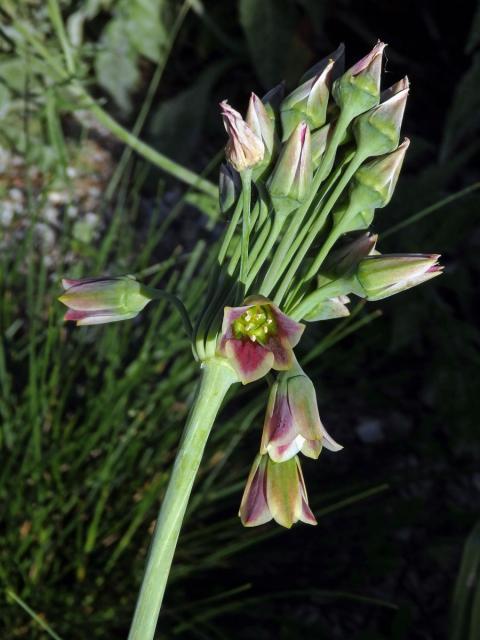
275 490
292 423
258 337
101 300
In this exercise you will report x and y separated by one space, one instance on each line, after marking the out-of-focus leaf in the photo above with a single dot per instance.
464 115
178 122
316 10
269 28
146 26
116 63
465 610
473 39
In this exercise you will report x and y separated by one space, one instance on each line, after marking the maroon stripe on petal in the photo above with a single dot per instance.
73 314
281 425
282 353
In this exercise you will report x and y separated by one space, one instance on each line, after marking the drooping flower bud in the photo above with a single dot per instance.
375 181
244 148
101 300
229 187
275 490
263 127
308 102
292 423
291 179
381 276
378 131
358 90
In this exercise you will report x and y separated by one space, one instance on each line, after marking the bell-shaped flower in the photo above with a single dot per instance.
381 276
291 179
275 490
257 337
244 148
101 300
292 422
378 131
358 89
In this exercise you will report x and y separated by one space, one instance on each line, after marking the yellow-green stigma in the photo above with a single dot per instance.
257 324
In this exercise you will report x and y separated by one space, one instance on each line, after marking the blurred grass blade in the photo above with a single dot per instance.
431 209
38 619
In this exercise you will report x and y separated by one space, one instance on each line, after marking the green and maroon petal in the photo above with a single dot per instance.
254 509
230 314
305 514
303 404
278 428
287 328
282 353
284 498
250 360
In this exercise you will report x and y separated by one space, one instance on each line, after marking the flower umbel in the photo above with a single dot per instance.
101 300
292 422
257 337
275 490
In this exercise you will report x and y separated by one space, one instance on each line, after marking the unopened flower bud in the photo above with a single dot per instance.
272 101
381 276
308 102
275 490
378 131
329 309
263 126
229 187
375 181
244 148
101 300
291 179
345 259
338 56
319 143
358 90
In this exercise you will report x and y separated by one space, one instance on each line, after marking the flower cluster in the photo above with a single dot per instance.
304 177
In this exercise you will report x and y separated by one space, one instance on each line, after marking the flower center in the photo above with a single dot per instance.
256 324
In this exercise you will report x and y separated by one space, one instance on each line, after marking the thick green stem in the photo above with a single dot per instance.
217 377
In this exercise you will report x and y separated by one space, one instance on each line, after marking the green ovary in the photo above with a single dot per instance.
257 324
